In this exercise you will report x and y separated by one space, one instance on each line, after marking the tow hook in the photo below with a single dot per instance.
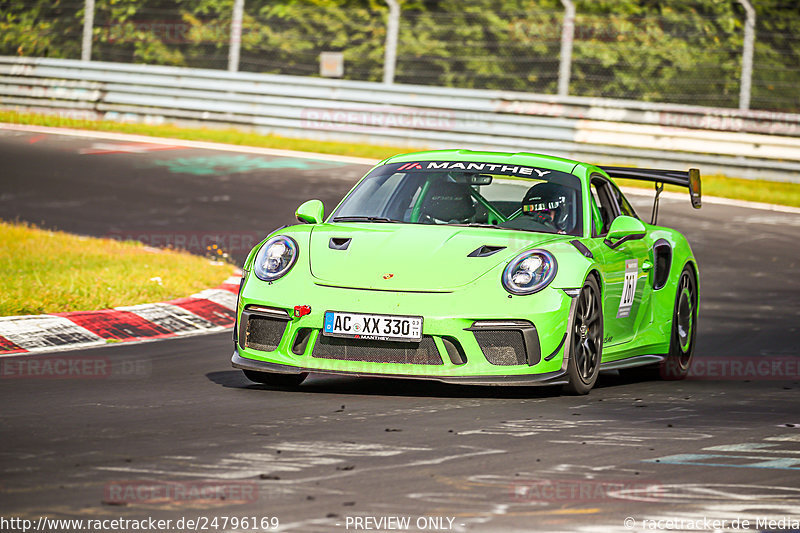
301 310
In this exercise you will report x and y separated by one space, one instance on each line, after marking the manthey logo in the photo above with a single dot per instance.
494 168
388 275
411 166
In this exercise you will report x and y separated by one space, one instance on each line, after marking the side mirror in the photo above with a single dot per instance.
624 229
310 212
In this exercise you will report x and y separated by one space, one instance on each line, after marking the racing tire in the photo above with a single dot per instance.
585 349
683 333
276 380
684 328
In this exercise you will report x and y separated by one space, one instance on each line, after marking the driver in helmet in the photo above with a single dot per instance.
545 203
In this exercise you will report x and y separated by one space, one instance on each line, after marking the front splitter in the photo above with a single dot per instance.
547 379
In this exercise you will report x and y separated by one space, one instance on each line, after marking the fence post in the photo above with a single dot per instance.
567 36
236 35
747 55
88 25
392 29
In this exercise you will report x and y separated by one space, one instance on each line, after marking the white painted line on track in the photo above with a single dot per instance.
127 137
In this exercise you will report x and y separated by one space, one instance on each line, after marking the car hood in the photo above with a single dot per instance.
406 257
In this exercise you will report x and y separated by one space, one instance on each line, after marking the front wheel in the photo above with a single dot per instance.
585 347
276 380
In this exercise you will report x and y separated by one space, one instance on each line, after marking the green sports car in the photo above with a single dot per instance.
473 267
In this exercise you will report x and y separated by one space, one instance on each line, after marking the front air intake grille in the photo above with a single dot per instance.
301 341
454 350
416 353
502 347
264 333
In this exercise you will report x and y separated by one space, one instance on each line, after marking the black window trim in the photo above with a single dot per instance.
616 204
601 182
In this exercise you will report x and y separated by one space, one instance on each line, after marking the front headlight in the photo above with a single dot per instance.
275 258
529 272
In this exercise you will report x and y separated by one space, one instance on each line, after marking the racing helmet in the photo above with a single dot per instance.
550 204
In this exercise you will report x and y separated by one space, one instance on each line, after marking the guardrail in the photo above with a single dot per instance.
751 144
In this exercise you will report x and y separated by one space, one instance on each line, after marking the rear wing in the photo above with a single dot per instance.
689 179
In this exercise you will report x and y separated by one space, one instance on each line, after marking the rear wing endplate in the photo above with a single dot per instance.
689 179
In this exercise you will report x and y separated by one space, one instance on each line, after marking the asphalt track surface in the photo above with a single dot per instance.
173 416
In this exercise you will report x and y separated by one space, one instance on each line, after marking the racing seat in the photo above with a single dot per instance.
447 201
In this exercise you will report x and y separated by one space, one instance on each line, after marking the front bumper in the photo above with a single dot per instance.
541 321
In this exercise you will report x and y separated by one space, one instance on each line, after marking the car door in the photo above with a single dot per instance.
624 269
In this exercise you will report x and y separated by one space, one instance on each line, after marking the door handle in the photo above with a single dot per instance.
646 266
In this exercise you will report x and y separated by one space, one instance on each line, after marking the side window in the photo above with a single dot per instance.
602 207
625 207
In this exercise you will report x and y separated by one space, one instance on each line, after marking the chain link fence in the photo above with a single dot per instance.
670 51
161 36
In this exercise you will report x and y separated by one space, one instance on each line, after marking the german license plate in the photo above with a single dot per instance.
373 327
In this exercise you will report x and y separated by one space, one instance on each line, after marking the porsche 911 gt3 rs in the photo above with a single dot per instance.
473 267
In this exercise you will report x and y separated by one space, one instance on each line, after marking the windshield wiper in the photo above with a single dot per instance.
479 225
364 219
495 226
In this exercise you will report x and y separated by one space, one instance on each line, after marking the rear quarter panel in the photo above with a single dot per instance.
663 300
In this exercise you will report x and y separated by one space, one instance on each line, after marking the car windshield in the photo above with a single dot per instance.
467 194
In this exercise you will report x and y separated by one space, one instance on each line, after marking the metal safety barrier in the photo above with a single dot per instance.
750 144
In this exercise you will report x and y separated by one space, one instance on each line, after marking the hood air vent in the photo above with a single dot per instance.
486 251
339 243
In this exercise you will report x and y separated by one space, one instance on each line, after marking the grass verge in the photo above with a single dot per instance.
770 192
713 185
51 272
